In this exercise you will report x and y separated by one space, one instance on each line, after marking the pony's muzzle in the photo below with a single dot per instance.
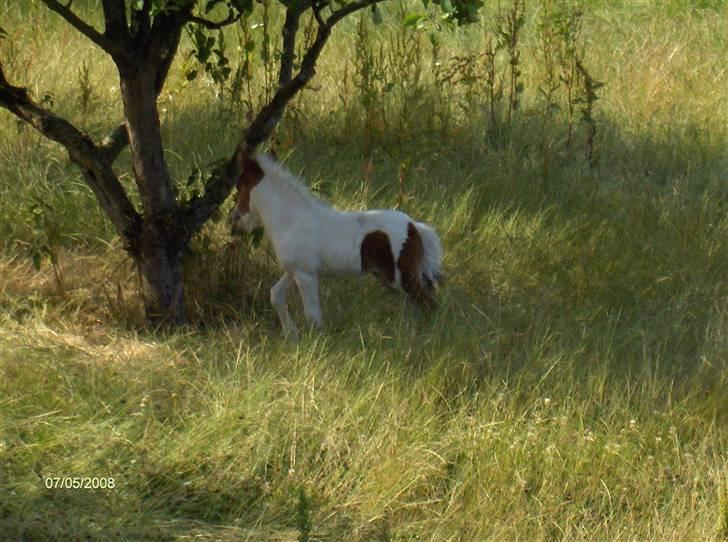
242 222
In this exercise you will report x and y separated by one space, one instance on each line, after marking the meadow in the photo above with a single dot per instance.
571 385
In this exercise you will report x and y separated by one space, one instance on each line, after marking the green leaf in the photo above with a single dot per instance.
376 14
52 256
256 237
158 6
412 19
211 5
243 6
36 260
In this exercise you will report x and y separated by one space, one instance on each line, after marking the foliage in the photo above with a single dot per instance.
45 238
303 515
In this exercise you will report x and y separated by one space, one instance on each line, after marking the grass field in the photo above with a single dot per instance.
572 385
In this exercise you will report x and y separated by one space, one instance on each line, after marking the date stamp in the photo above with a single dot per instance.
88 483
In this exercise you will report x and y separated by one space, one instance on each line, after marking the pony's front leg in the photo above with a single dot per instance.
308 287
278 298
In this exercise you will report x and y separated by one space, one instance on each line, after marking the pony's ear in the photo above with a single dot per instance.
273 153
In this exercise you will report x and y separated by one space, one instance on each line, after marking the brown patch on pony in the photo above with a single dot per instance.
410 264
376 255
249 178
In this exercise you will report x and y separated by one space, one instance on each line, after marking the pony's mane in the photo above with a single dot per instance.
271 167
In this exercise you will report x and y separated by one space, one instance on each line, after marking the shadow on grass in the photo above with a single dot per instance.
583 282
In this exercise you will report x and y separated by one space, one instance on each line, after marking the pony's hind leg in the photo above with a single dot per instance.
308 287
278 299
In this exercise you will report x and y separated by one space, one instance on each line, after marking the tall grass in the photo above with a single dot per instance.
571 385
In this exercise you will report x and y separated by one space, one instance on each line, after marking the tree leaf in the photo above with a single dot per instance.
36 260
243 6
211 5
376 14
412 19
52 256
256 237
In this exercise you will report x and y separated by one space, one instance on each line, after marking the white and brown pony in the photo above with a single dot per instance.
312 239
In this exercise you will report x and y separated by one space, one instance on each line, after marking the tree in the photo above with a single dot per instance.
142 38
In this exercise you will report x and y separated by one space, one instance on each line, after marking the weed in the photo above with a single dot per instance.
45 237
722 533
85 90
371 82
303 515
568 26
510 26
588 98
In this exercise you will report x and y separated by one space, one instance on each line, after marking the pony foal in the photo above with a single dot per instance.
312 239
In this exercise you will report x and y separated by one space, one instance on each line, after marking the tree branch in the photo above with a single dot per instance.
199 210
348 9
317 7
112 145
141 22
116 25
79 24
232 17
288 32
93 162
164 37
156 45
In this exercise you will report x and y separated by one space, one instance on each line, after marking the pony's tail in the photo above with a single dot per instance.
431 267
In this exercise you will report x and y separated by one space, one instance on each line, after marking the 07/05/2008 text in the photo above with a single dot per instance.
79 482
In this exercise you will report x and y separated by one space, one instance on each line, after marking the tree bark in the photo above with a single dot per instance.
161 267
161 239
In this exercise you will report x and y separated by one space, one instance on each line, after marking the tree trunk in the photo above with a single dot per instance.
162 238
160 264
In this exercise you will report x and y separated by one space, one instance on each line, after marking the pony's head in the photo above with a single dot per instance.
243 217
